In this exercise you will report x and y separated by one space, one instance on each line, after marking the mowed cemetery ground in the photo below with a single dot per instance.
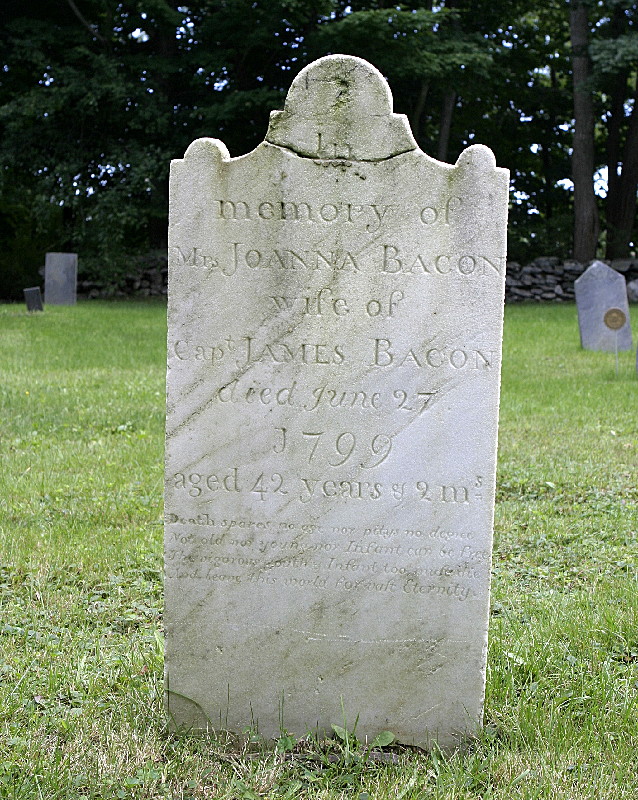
81 641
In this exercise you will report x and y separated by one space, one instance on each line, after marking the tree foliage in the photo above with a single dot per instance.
96 97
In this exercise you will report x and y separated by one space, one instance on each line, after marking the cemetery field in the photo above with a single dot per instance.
81 645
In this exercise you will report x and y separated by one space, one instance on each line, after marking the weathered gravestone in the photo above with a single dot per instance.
60 279
601 299
334 345
33 299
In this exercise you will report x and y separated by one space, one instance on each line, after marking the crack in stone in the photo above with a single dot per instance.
346 162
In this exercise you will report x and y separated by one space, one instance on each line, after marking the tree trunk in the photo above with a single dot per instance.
586 223
616 90
614 130
419 109
621 195
447 112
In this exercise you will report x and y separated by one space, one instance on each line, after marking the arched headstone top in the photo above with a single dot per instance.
340 107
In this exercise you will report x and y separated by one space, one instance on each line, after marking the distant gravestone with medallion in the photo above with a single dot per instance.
60 279
603 309
334 349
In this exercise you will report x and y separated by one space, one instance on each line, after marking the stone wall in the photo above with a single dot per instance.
147 277
547 279
550 279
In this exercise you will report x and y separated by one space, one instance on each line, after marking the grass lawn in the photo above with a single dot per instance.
81 450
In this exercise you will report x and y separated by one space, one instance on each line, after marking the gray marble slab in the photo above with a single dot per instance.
60 279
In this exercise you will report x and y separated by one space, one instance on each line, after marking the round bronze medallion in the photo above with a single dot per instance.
615 318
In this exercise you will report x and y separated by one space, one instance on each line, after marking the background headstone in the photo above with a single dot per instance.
334 345
33 299
60 279
598 290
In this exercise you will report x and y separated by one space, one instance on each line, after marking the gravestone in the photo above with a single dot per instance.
334 347
601 299
33 299
60 279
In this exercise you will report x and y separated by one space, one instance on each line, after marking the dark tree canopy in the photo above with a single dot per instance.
96 97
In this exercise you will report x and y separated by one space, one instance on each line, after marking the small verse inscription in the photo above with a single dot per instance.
349 559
